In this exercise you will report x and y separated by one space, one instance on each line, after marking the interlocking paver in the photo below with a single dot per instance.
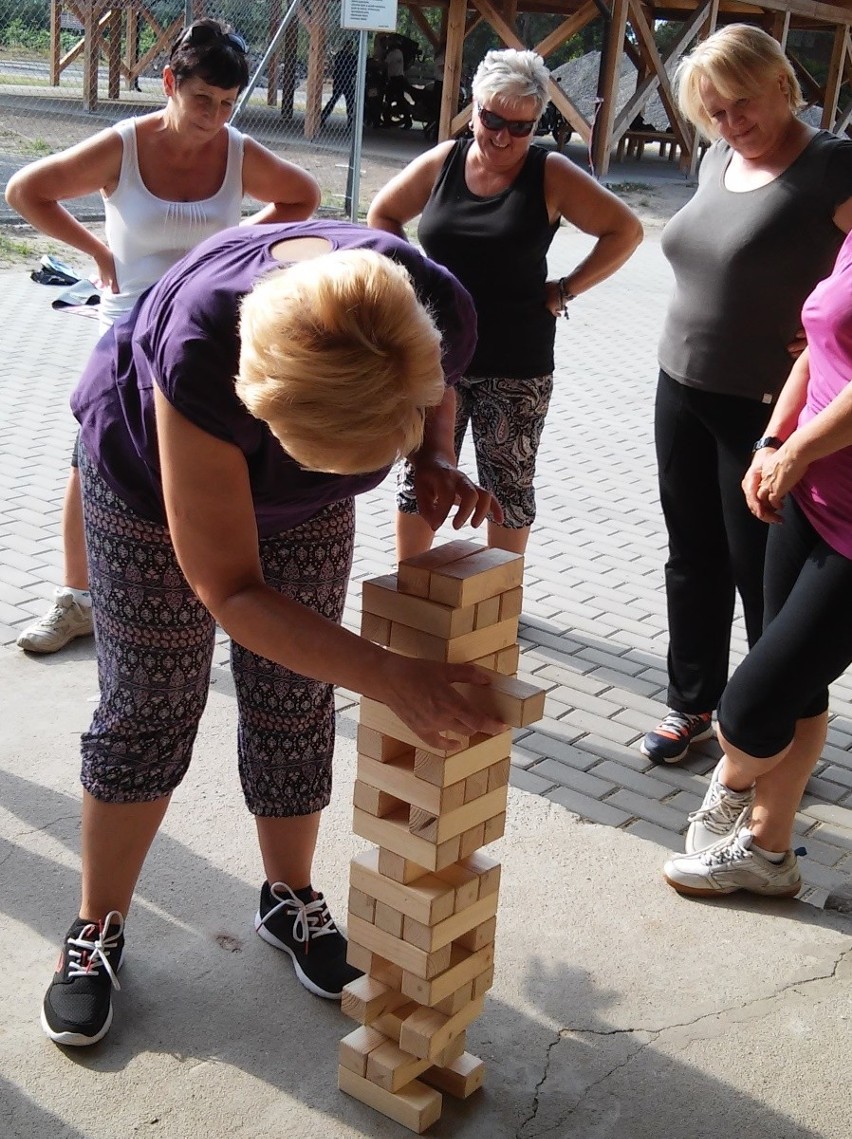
594 628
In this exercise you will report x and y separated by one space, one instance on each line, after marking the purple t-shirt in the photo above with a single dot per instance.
183 338
825 491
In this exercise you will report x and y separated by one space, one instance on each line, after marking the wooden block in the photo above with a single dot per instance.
379 746
391 1068
430 938
357 1046
507 660
374 801
453 650
513 701
494 828
361 905
428 899
444 770
411 960
439 828
489 662
414 573
381 599
479 937
399 869
396 777
463 967
511 603
471 840
476 577
388 919
382 719
390 1022
375 629
486 612
483 982
459 1079
453 1050
498 773
427 1032
462 997
374 965
486 870
416 1107
365 999
392 833
476 785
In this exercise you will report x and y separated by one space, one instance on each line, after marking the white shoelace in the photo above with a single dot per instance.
731 850
311 919
91 947
725 809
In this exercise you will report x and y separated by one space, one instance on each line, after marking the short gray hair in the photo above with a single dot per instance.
511 75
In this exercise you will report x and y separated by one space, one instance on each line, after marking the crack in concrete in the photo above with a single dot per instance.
46 827
654 1035
539 1085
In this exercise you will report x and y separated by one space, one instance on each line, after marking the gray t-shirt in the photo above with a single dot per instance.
744 264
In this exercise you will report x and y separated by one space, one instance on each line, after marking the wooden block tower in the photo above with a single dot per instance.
423 904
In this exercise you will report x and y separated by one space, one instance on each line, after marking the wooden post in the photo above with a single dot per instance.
288 71
274 61
91 53
835 76
316 67
608 87
452 66
113 25
55 41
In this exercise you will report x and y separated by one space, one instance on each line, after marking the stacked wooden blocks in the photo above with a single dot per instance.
423 905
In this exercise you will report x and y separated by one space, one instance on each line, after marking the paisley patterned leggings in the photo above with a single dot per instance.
507 419
155 647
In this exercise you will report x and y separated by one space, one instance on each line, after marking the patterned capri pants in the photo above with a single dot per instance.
155 648
506 418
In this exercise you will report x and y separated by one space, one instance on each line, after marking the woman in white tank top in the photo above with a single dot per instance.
169 180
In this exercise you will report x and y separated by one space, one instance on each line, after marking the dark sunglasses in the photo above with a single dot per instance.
200 34
517 128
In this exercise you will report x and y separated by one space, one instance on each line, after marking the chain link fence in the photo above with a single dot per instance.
68 69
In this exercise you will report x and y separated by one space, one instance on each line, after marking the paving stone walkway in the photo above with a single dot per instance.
593 628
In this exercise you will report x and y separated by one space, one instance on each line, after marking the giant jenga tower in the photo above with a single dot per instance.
423 905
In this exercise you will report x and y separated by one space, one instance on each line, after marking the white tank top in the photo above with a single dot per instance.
147 235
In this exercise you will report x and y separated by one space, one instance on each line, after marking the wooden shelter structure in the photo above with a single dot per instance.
627 28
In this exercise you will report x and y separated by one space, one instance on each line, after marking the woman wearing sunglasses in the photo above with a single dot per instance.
168 180
490 207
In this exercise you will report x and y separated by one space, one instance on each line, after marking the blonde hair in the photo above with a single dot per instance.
341 360
740 61
512 75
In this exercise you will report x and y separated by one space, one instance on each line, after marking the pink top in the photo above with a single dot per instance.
825 492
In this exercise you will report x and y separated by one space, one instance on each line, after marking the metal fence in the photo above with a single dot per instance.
70 67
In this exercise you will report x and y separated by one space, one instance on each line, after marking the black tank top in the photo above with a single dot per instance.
497 247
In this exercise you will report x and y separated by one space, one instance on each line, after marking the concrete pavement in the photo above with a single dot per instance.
619 1009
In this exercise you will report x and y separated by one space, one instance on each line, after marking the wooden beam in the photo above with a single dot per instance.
608 87
648 47
779 27
317 25
452 67
834 79
708 28
429 33
568 28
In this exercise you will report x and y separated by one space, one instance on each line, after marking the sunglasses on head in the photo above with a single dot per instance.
517 128
200 34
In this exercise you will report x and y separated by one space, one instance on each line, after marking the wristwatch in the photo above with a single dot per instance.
767 441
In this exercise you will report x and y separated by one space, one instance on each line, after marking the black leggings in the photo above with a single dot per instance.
805 646
716 546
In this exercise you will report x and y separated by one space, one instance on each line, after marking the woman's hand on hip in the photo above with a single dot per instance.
439 486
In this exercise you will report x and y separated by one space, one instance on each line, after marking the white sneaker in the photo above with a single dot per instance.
732 865
719 814
66 620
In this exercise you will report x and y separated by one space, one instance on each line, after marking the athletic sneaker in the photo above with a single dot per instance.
720 815
671 738
733 865
307 932
77 1008
65 620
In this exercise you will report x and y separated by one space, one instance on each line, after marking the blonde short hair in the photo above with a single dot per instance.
740 61
512 75
341 360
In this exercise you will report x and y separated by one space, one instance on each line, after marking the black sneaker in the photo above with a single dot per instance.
77 1008
671 738
307 932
